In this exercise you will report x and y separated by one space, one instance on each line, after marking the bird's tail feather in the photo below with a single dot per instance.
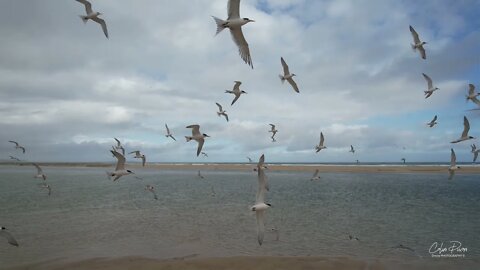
84 18
220 24
281 78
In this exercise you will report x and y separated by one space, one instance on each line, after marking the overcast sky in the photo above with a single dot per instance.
66 91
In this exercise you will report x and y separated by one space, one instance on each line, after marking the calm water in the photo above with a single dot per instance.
90 216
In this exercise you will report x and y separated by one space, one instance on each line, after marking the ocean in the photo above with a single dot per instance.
88 215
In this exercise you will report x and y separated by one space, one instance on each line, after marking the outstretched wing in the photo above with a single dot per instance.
429 81
102 23
39 170
466 127
195 129
260 225
200 146
88 6
416 39
453 158
219 106
16 143
243 49
293 84
233 8
321 139
285 67
120 161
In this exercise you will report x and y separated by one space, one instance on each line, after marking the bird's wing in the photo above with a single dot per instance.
351 147
9 238
285 67
226 116
219 106
475 100
118 142
120 160
466 127
88 6
261 161
434 119
242 44
135 152
235 99
273 126
471 89
321 139
168 130
260 225
233 9
23 149
262 185
195 129
39 170
422 52
429 81
315 174
453 158
16 143
171 136
475 155
200 145
293 84
102 23
236 86
416 39
144 159
428 94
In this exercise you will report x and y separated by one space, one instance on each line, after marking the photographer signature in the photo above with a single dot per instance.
454 247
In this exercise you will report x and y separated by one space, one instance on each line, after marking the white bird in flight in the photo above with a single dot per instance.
197 136
18 146
471 94
433 122
320 146
93 15
169 134
119 146
352 150
235 23
120 168
273 131
430 87
288 76
417 44
260 206
466 128
249 159
7 235
236 91
221 111
316 175
139 155
40 173
453 165
475 152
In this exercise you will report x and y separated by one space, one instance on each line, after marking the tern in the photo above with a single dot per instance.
320 146
403 160
119 146
169 134
352 150
221 111
197 136
11 240
139 155
236 91
200 175
453 165
466 128
46 186
18 146
40 173
204 154
152 190
433 122
14 158
235 23
120 168
431 89
417 44
471 94
273 131
316 175
249 160
287 76
475 152
93 15
260 206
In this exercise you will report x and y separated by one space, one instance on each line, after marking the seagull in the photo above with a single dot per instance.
404 160
197 136
315 175
433 122
14 158
471 94
221 111
18 146
93 15
351 149
40 173
120 168
139 155
431 89
119 146
8 236
168 133
204 154
152 190
466 128
453 164
287 76
274 132
418 45
260 205
320 145
200 175
249 160
236 91
475 152
47 187
235 23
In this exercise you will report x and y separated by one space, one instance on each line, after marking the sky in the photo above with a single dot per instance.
66 91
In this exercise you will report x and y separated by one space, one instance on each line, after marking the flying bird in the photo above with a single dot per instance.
18 146
47 187
430 89
260 206
352 150
40 173
120 168
14 158
417 44
287 76
169 134
236 91
471 94
93 15
320 146
204 154
139 155
316 175
221 111
475 152
197 136
403 160
433 122
7 235
119 146
466 128
453 165
152 190
273 131
235 23
249 160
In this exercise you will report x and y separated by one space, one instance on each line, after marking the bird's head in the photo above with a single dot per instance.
423 43
243 92
247 20
436 88
293 74
471 137
205 135
3 228
130 172
268 204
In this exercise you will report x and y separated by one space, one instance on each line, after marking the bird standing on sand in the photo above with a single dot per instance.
466 128
287 76
221 111
320 146
169 134
417 44
236 91
197 136
433 122
7 235
430 87
260 205
235 23
18 146
93 15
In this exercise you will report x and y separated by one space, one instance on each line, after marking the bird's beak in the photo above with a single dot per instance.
251 20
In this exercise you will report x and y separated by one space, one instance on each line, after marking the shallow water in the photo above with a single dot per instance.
89 216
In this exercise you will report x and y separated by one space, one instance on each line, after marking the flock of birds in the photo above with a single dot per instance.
234 23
